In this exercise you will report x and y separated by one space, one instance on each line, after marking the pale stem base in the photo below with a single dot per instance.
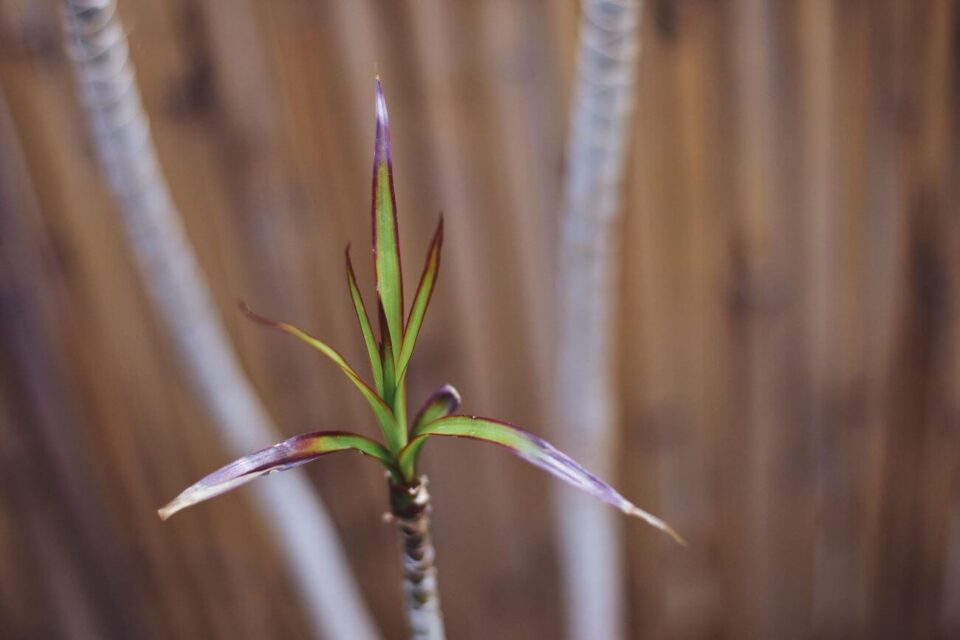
410 507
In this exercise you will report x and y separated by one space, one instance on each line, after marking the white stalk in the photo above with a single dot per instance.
586 399
120 132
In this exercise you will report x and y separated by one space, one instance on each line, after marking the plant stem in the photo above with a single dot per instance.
410 506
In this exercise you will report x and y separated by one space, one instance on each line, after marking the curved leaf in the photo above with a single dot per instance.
534 450
431 269
290 453
384 414
369 340
440 404
386 247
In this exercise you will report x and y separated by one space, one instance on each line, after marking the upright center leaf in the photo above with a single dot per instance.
386 248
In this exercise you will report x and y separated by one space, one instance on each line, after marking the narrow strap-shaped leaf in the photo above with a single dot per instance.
386 356
386 239
428 279
380 408
280 457
393 394
440 404
395 389
369 339
399 407
534 450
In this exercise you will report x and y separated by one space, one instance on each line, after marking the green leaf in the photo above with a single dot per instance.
534 450
400 407
386 248
440 404
386 357
369 339
431 269
280 457
394 395
380 408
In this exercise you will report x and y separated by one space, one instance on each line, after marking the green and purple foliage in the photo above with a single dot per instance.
389 357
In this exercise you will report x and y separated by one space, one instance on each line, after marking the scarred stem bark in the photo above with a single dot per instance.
410 506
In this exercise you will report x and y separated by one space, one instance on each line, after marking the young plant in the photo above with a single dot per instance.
403 440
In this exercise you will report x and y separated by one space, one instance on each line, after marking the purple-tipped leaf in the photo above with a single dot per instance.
440 404
280 457
386 238
534 450
369 340
428 280
381 410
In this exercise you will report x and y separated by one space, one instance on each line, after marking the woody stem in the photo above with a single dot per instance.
410 506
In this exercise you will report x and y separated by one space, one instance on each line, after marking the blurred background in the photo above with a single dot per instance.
786 331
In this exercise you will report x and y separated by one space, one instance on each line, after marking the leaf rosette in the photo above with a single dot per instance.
389 354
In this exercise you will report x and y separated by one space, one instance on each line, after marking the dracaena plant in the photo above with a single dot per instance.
403 439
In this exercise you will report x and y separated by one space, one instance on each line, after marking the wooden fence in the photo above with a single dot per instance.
790 361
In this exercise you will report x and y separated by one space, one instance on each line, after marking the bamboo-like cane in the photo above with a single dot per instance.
604 96
410 508
119 129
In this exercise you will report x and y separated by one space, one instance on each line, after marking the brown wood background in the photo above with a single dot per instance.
790 329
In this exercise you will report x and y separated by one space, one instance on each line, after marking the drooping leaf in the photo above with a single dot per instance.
534 450
386 239
440 404
369 339
380 408
280 457
431 269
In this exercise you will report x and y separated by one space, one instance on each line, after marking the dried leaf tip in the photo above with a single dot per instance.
256 317
176 505
170 509
654 521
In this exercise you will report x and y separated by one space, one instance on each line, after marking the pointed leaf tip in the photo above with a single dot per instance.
381 152
637 512
382 118
256 317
